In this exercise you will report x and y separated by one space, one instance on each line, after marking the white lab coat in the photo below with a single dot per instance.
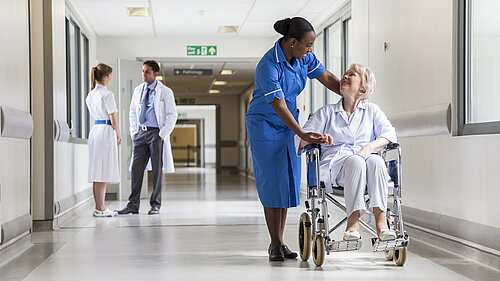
166 116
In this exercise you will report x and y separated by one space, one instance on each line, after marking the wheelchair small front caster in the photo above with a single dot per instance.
389 255
305 236
400 256
318 250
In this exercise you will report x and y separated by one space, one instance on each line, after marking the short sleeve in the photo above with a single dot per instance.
314 67
382 126
267 81
316 124
109 103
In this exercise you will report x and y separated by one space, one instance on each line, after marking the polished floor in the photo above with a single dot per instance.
210 228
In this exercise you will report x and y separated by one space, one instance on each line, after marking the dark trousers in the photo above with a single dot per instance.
147 144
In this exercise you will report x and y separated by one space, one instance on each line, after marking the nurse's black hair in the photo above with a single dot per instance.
154 65
296 27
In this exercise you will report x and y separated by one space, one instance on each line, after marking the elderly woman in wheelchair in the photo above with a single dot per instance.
356 131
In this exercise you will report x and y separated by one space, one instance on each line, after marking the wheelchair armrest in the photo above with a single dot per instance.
391 146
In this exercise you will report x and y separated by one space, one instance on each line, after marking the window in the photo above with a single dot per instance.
318 90
86 84
479 67
333 49
77 79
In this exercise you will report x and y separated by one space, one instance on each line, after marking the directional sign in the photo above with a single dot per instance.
192 72
202 50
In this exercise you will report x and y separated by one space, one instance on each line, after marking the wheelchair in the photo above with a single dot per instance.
313 224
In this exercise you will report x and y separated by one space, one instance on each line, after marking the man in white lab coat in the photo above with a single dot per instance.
152 118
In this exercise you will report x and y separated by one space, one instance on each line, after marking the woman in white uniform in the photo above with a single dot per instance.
355 129
104 137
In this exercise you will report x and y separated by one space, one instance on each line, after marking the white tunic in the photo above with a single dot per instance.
103 148
366 124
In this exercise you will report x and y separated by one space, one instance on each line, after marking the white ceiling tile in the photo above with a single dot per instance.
275 10
258 29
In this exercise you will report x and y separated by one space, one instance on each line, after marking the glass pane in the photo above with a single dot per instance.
68 72
484 98
348 43
318 90
334 62
84 85
73 88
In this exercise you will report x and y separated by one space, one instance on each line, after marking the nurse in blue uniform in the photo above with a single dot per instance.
271 119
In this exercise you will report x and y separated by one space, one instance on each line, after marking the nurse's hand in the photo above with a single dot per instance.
118 139
313 138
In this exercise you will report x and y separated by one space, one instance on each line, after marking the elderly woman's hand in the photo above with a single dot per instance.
365 151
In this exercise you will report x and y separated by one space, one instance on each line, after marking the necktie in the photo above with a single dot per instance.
145 101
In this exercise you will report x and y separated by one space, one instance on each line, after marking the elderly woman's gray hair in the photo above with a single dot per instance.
367 79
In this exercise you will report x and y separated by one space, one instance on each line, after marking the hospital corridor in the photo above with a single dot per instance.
249 140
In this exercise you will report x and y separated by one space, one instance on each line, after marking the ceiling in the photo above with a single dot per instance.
200 85
197 19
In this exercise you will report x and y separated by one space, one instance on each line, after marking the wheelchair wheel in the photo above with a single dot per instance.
305 238
319 250
389 255
400 256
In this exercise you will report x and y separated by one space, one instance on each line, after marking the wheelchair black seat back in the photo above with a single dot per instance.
314 225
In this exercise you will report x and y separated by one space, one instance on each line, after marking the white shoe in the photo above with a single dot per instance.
105 213
351 235
387 234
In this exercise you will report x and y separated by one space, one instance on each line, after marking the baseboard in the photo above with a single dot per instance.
62 218
478 253
111 196
42 225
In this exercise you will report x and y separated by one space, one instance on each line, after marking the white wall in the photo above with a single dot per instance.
455 176
14 93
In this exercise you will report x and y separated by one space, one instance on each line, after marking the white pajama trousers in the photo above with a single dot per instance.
358 173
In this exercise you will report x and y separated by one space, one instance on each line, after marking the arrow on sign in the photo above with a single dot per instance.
211 51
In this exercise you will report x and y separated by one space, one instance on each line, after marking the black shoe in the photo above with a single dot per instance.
127 210
155 210
275 254
287 253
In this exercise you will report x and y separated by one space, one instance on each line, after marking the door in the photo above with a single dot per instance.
129 77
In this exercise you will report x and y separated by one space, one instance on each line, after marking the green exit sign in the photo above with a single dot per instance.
201 50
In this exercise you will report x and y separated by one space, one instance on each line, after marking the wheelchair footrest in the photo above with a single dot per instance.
382 246
342 245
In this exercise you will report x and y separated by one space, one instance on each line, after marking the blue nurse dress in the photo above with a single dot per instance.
275 162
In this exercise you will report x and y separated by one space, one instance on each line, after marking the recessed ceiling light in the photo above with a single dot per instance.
227 72
214 91
138 11
229 29
219 83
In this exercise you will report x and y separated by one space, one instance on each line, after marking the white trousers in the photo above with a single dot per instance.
358 173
